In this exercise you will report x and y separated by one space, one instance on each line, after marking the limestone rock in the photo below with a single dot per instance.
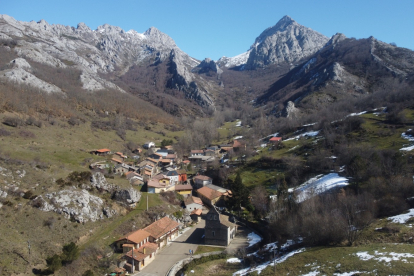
74 204
287 41
20 63
127 196
99 182
18 75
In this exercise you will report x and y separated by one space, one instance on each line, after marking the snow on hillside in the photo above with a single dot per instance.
235 61
253 238
408 137
403 218
306 134
259 268
318 185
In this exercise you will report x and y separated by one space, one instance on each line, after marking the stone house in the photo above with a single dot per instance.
218 230
201 180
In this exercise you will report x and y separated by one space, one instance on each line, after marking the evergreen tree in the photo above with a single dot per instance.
240 194
70 252
54 263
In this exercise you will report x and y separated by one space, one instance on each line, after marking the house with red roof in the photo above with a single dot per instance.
141 246
275 140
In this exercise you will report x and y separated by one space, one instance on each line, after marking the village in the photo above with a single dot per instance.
161 171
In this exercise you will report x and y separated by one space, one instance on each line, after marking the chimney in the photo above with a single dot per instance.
144 250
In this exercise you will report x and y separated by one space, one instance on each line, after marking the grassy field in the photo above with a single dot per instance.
205 249
377 259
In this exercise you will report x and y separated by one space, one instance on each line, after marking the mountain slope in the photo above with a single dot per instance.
102 55
343 68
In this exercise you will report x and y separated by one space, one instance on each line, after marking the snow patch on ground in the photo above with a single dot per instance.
253 238
233 260
306 134
357 114
318 185
409 138
385 256
348 273
259 268
403 218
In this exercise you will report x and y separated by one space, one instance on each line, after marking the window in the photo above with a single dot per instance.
214 234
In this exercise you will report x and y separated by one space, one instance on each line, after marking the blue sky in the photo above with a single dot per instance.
218 28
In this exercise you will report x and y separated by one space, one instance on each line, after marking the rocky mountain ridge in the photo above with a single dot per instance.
108 49
287 41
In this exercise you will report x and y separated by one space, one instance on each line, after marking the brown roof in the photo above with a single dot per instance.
147 172
155 183
165 160
196 212
136 236
197 151
238 144
197 200
103 150
183 187
202 177
209 193
139 256
161 227
171 156
186 161
116 160
193 199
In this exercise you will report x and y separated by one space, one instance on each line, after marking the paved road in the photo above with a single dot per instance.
175 251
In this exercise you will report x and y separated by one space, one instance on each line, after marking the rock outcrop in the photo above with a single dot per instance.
78 205
108 49
287 41
208 65
127 196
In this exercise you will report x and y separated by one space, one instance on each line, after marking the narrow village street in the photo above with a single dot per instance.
179 249
175 251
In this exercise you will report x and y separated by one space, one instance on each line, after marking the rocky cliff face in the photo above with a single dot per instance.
108 49
287 41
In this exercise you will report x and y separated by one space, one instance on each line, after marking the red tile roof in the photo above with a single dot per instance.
275 139
136 236
161 227
116 160
103 150
209 193
196 212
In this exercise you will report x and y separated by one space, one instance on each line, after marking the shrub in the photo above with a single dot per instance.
26 134
54 263
4 132
70 253
12 121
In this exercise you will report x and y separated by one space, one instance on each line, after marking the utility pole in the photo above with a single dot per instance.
28 245
147 202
